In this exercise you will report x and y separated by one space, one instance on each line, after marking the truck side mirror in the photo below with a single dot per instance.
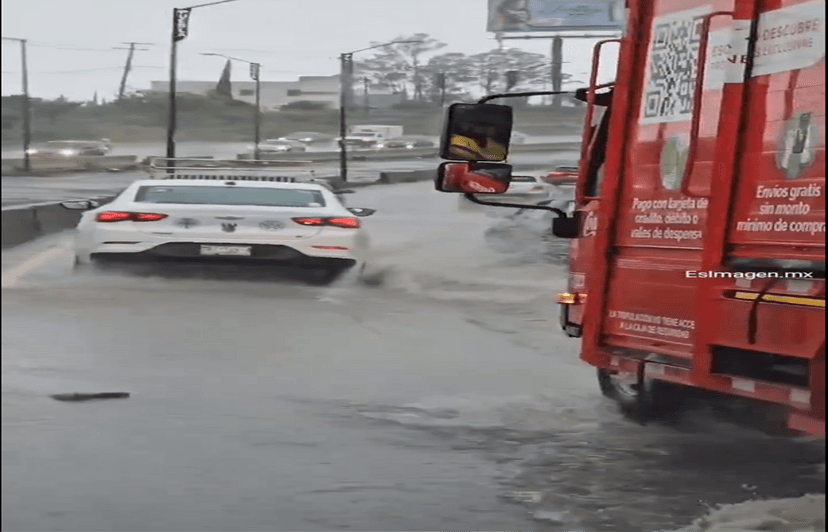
476 132
565 227
473 178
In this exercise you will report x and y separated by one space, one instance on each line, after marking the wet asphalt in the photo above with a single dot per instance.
437 393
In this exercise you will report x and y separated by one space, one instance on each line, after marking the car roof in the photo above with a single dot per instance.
221 183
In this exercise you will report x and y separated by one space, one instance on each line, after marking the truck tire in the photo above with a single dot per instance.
652 401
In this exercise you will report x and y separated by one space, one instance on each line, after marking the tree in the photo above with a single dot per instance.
459 71
534 69
397 65
223 87
53 109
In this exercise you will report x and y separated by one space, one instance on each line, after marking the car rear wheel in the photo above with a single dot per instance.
651 400
79 266
325 276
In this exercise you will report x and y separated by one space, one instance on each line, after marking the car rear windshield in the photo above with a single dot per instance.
524 179
255 196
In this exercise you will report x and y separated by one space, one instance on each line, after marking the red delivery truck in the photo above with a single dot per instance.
697 256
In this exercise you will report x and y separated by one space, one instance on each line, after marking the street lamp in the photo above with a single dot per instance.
181 19
27 134
346 67
255 73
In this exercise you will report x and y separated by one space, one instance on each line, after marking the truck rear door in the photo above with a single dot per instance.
659 232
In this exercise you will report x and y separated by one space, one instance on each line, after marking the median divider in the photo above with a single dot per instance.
49 165
390 178
26 223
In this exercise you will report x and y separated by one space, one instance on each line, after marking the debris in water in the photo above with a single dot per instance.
533 497
78 397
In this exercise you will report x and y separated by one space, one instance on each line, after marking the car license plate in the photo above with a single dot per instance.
226 250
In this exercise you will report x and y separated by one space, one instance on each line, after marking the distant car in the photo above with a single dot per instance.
72 148
408 143
280 146
309 138
518 138
525 188
565 174
363 139
220 221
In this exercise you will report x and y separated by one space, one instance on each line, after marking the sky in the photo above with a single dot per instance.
72 43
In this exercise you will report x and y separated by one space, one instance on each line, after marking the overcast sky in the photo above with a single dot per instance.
70 51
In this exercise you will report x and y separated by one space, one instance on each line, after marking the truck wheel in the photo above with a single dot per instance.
649 401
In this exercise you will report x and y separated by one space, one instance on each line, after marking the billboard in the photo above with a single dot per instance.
555 15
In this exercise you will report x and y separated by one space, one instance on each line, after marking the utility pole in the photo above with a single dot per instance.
367 98
256 74
345 65
27 132
557 69
441 84
128 66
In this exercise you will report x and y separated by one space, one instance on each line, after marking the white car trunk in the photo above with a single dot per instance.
229 223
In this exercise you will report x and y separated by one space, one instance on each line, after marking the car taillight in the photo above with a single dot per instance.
120 216
310 221
147 217
346 223
113 216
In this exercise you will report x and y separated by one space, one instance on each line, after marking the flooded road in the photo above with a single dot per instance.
437 393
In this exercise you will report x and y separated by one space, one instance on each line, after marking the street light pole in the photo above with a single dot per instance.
346 65
24 104
344 81
256 75
180 18
180 29
258 113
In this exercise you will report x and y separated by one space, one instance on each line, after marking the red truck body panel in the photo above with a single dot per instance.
754 201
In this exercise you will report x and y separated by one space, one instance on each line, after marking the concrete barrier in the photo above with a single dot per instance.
390 178
23 224
74 164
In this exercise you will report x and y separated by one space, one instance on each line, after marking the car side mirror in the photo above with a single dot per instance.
361 212
476 132
83 205
565 227
473 178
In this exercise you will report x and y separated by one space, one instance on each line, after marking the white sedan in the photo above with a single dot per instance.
193 220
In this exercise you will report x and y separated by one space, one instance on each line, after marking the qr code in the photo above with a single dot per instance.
672 66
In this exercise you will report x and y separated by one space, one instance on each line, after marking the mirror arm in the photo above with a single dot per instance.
521 94
560 213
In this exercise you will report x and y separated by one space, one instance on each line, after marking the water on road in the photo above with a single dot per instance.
438 393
